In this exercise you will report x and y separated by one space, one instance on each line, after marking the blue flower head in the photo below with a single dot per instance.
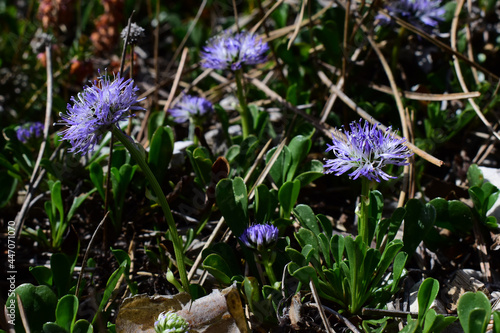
190 106
29 130
366 149
260 237
96 109
171 322
421 13
228 51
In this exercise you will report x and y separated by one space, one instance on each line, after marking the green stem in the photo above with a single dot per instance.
244 112
363 226
136 154
268 260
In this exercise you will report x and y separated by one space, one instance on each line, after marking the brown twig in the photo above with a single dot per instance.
297 24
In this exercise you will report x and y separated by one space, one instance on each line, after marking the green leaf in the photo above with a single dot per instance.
491 222
224 121
337 245
426 295
202 165
56 199
419 219
475 176
397 269
287 196
77 202
474 312
227 252
311 171
82 326
291 94
231 196
66 311
247 153
160 152
42 274
435 322
156 120
217 266
390 252
496 322
374 212
39 304
306 217
61 273
307 237
299 148
120 180
53 328
296 256
263 207
478 198
328 35
8 188
260 120
281 165
453 215
97 178
110 286
380 324
303 274
326 225
252 293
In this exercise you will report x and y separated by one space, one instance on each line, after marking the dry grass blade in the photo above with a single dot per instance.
286 30
264 18
176 79
426 97
22 313
320 308
297 24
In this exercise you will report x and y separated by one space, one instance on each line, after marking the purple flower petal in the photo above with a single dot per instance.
366 149
423 14
227 51
96 109
260 236
190 106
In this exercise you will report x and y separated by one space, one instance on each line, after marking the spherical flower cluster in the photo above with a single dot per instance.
190 106
228 51
170 322
420 13
96 109
367 149
135 35
29 130
260 237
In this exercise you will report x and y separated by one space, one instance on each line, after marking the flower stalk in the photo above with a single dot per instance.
268 258
138 157
363 214
246 121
